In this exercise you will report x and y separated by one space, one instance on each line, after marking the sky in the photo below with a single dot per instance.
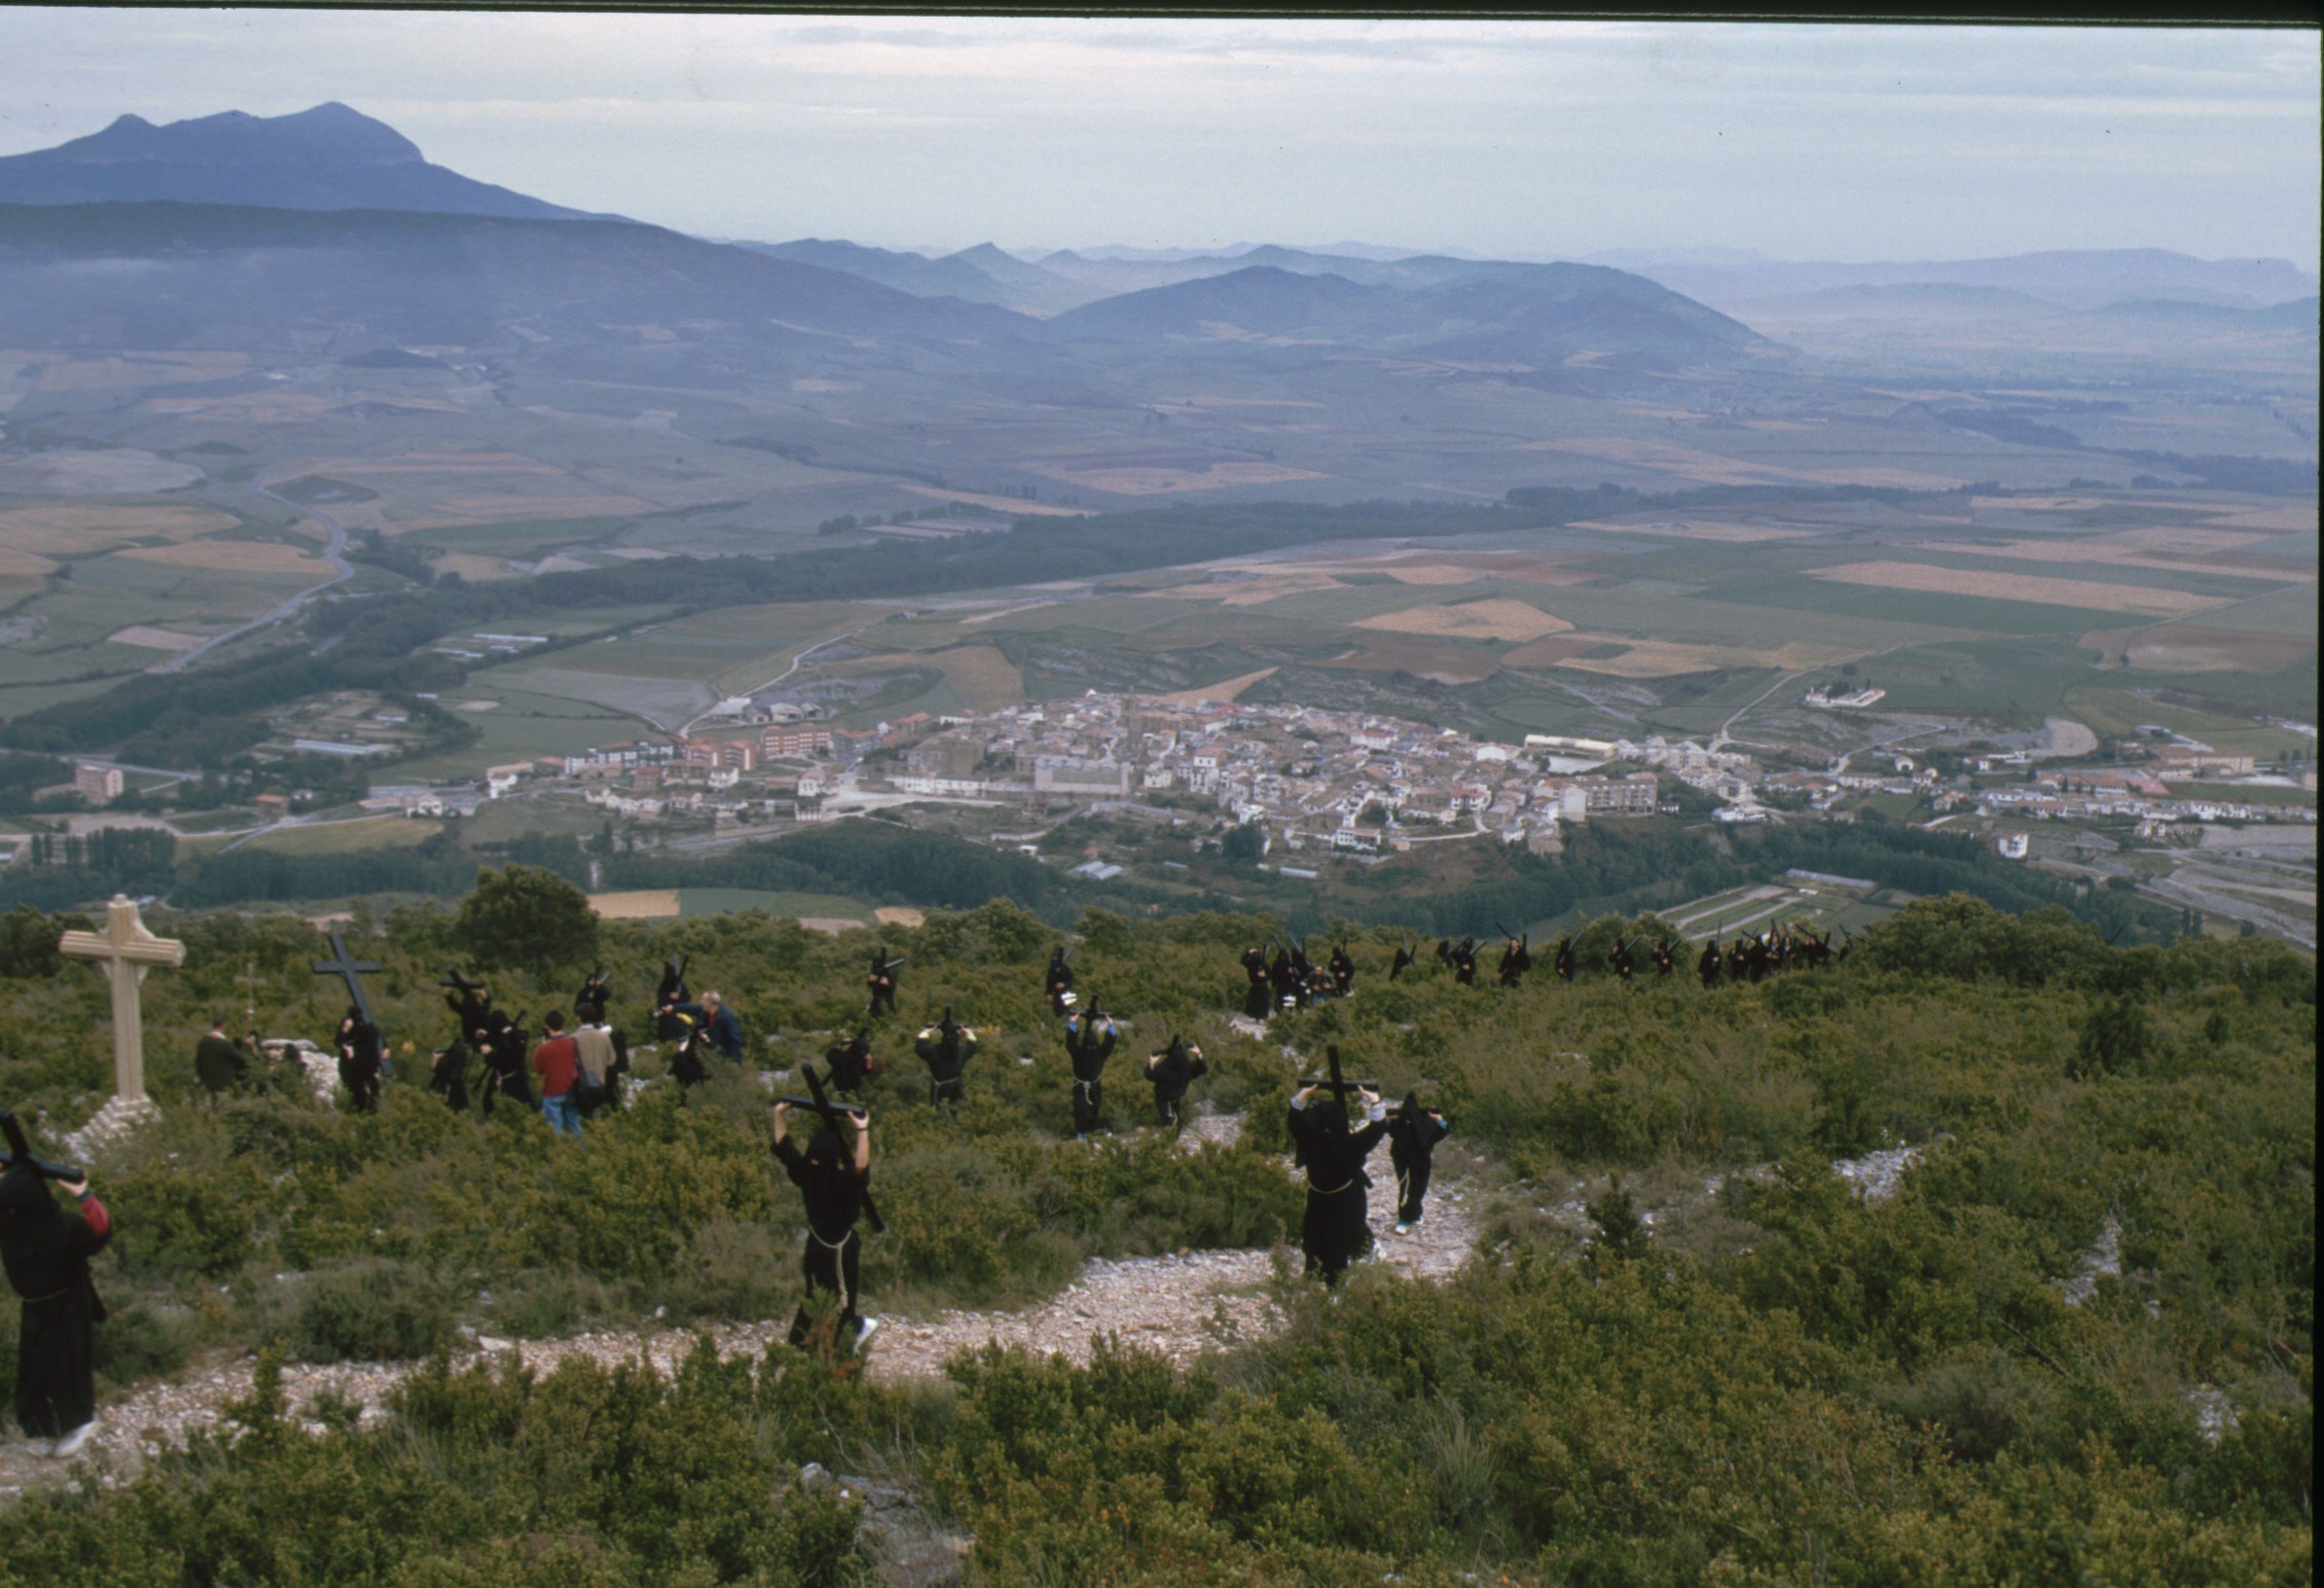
1515 139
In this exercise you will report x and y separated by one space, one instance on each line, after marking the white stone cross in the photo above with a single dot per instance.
128 951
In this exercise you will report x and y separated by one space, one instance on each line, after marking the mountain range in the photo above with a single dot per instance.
327 158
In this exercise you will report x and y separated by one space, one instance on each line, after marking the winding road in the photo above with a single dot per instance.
334 551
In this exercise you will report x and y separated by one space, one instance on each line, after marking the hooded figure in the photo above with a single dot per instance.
1464 963
1172 1070
1413 1133
1335 1230
832 1177
685 1064
508 1061
1089 1040
1663 958
1622 960
1562 961
360 1054
591 1002
1403 960
668 997
1060 986
1707 967
1343 971
1258 1001
882 981
850 1062
449 1075
1516 960
46 1252
1283 980
946 1048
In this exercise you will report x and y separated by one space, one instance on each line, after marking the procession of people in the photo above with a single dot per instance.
581 1062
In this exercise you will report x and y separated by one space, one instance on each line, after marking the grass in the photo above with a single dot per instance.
343 836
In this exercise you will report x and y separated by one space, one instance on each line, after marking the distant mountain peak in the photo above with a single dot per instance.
329 156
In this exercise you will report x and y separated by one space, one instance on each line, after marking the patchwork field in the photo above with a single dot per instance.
1504 620
2018 587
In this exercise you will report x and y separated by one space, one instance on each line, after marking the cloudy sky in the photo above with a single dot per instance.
1526 139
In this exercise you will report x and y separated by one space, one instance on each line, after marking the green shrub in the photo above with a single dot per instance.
369 1309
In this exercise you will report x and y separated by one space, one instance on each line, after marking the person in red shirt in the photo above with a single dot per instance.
47 1252
558 1063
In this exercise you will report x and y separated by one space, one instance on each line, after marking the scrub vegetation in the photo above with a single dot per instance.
1730 1368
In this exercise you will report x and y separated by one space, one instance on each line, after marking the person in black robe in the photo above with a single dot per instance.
594 999
1059 985
1413 1133
469 1003
1516 960
1706 969
219 1062
1343 971
1623 962
1757 959
1172 1070
1089 1040
671 996
1334 1230
449 1076
1665 959
1402 962
882 981
1738 961
1444 951
46 1252
832 1178
850 1062
946 1048
360 1051
507 1052
1258 1001
686 1067
1464 963
1562 959
1283 980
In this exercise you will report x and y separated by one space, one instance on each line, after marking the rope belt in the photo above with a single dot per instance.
1316 1190
831 1245
54 1295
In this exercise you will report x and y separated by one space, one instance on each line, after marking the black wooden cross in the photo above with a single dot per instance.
1338 1088
348 970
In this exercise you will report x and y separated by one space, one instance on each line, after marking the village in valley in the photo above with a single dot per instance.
1316 787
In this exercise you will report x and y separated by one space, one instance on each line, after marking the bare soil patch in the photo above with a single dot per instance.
1667 659
1226 691
1709 468
1498 619
2018 587
137 368
153 639
1443 664
639 904
1006 504
260 557
69 529
896 914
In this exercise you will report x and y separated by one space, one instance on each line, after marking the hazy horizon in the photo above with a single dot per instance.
1527 139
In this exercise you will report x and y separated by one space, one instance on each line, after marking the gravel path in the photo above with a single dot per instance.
1181 1306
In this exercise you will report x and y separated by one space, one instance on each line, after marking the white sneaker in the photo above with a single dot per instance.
863 1330
1403 1229
71 1444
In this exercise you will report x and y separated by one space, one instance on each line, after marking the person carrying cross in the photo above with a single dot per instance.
1089 1039
1172 1070
46 1252
833 1178
360 1051
1335 1228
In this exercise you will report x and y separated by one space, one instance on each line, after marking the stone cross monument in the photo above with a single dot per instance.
128 951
